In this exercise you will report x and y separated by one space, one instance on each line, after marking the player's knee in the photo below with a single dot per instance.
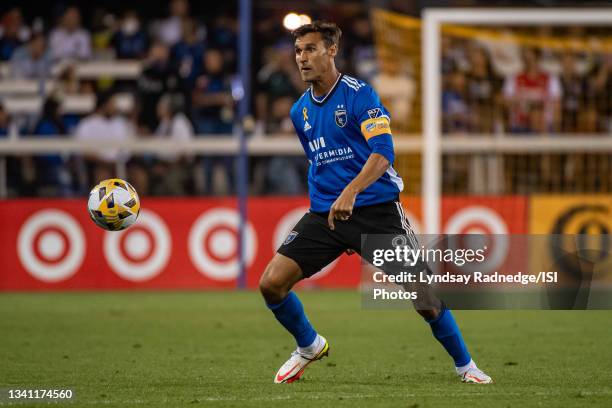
429 314
272 285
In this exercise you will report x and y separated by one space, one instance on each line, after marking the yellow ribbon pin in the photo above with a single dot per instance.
305 113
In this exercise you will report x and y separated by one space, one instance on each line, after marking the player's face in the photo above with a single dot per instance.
313 58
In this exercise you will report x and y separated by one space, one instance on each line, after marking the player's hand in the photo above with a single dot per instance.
342 208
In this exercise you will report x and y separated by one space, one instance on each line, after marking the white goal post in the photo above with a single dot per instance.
433 143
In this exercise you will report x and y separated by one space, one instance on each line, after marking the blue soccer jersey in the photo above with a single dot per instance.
339 132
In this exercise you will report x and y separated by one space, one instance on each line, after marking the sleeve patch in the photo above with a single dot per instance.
374 113
375 126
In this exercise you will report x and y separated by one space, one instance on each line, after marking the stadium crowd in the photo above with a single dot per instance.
185 90
188 85
503 87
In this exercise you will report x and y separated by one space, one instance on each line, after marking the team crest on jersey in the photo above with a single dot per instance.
290 237
340 116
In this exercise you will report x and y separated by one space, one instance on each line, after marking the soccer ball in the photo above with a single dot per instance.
113 204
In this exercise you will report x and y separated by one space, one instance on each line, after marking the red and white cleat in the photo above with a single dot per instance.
293 369
476 376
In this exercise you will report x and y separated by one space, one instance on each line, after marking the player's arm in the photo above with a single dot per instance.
375 127
376 165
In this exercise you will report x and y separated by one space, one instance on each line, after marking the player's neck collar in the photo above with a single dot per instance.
321 101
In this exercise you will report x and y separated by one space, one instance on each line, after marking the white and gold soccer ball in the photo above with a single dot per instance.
113 204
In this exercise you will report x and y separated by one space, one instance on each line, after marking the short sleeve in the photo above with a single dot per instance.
374 122
372 117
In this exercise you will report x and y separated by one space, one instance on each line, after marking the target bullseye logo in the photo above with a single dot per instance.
51 245
140 252
213 244
285 226
489 226
137 246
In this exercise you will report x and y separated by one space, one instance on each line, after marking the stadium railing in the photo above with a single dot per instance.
266 146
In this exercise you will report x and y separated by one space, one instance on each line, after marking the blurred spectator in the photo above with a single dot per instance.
187 54
533 98
285 174
213 108
212 97
574 99
105 124
455 109
397 90
19 170
4 122
69 40
103 27
482 91
505 54
51 175
169 30
279 78
68 81
31 61
224 37
601 92
169 175
130 40
13 33
158 77
360 46
453 55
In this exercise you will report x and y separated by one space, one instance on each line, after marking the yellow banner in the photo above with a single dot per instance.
580 235
570 214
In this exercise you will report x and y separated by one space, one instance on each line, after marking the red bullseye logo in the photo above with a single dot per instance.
141 252
51 245
213 244
137 246
489 231
222 242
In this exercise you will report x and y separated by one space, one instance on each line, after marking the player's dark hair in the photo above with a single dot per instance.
330 32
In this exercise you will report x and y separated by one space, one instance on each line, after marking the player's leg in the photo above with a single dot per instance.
275 285
442 322
307 249
390 219
447 332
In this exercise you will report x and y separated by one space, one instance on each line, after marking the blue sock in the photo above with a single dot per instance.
290 314
446 331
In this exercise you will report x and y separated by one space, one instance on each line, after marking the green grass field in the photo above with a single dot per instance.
222 349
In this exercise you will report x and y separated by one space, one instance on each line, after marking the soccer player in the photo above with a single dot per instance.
346 134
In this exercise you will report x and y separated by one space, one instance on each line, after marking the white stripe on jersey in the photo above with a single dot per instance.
350 85
356 81
395 178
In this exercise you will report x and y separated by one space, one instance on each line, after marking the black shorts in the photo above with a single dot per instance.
313 245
